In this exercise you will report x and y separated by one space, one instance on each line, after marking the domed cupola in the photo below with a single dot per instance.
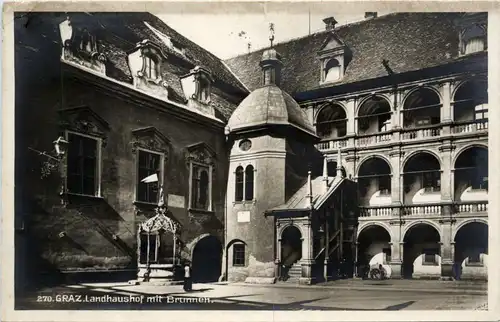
269 107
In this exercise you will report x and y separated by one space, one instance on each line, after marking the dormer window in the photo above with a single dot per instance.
473 39
198 84
88 42
332 70
333 60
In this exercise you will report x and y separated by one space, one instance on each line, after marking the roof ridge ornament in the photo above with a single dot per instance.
271 36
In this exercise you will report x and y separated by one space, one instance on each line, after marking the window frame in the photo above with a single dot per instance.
192 165
196 171
98 165
385 191
241 255
243 184
161 173
434 252
147 58
436 178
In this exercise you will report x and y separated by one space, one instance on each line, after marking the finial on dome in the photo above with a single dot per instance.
271 30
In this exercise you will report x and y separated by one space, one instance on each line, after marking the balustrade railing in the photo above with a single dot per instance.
332 145
406 135
418 210
470 207
416 134
470 127
375 211
423 209
373 139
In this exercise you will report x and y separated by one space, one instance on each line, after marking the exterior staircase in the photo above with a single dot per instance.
294 273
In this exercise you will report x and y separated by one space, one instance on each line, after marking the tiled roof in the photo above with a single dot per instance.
269 105
118 34
407 41
300 200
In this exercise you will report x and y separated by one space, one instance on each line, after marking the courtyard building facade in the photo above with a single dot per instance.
361 145
404 98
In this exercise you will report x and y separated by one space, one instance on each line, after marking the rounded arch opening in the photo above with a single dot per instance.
471 245
374 182
207 260
374 116
374 246
331 122
471 174
470 103
332 70
291 245
421 250
421 176
422 108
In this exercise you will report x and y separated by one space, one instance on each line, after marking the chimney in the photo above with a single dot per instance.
330 23
370 15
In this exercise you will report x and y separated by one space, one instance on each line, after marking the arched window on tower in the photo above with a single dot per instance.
249 182
239 184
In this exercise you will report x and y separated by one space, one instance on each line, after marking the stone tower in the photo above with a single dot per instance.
270 141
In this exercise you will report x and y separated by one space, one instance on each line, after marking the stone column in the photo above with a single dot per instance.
351 120
447 108
350 161
396 244
396 180
307 260
447 249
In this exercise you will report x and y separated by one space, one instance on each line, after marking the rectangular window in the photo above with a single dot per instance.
481 113
82 165
238 255
430 257
423 121
478 181
474 258
431 181
387 255
149 163
200 187
384 185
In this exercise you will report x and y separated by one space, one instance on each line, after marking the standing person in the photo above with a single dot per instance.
187 277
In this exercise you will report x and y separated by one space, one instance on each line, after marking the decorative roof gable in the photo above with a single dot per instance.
83 119
332 45
151 139
201 152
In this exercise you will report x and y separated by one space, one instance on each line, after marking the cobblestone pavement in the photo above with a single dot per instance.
237 297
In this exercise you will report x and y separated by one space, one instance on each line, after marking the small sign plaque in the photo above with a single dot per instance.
176 201
243 216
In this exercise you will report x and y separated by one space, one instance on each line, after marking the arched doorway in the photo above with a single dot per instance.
421 251
374 248
207 257
291 245
471 248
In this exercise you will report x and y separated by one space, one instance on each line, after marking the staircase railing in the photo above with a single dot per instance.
334 235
